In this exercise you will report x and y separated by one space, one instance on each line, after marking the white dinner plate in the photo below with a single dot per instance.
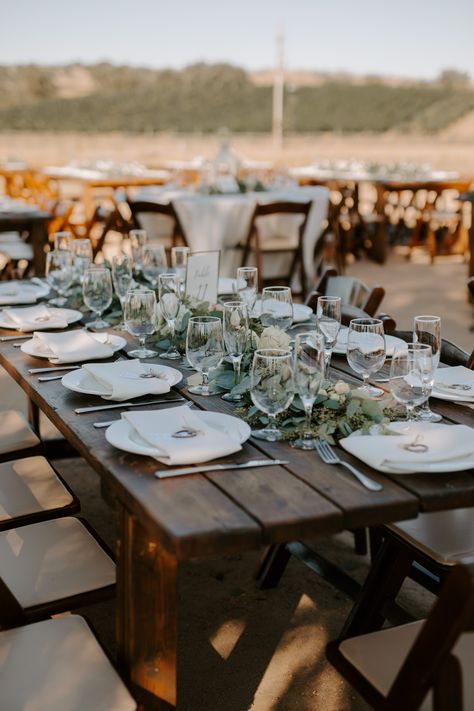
452 397
391 343
448 376
300 312
82 382
31 348
453 465
122 435
16 293
71 316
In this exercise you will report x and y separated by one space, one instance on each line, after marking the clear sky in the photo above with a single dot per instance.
413 38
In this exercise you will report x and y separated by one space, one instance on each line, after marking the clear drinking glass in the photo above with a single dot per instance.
412 367
122 278
59 274
97 293
272 387
236 332
309 370
62 240
154 263
366 350
247 286
179 260
138 240
82 256
328 314
427 329
140 319
277 307
169 286
204 348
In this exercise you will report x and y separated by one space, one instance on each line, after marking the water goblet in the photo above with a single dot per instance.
97 293
277 307
62 241
366 351
309 371
59 274
272 387
411 369
247 286
138 240
204 348
179 260
154 263
427 329
82 257
140 319
122 279
328 314
169 288
236 332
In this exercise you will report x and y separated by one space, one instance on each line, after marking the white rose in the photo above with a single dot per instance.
273 338
341 388
336 398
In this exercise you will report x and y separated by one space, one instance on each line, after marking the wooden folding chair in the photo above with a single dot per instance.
17 436
425 665
141 208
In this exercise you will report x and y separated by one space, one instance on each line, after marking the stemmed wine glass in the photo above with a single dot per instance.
366 350
277 307
427 329
138 241
122 278
328 314
247 286
82 256
140 319
59 274
271 387
309 373
62 241
411 371
97 293
169 286
236 331
204 348
179 260
154 263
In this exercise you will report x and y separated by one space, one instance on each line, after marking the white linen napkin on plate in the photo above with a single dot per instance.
35 318
122 379
12 293
446 377
156 429
72 346
384 452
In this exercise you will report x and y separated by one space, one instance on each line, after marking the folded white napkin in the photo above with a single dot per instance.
72 346
156 429
14 293
122 379
35 318
445 378
383 452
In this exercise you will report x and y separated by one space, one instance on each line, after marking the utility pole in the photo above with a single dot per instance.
278 90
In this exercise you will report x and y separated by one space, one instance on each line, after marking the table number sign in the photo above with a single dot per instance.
202 276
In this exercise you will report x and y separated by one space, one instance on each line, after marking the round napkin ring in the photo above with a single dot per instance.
461 386
413 447
184 433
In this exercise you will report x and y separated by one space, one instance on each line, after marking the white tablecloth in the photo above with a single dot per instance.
218 222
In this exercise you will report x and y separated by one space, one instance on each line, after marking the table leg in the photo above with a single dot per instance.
146 615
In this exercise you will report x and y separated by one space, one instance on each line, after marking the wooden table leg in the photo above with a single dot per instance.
146 615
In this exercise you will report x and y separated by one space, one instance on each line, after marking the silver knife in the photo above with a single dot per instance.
115 405
33 371
50 377
165 473
15 338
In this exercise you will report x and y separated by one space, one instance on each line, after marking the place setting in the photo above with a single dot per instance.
16 292
38 317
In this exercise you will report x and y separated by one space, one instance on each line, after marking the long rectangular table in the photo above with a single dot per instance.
164 522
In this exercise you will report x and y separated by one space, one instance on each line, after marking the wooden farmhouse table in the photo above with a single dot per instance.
164 522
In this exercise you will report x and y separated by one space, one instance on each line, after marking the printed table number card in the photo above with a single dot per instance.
202 276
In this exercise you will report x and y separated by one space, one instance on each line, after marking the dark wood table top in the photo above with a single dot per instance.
234 510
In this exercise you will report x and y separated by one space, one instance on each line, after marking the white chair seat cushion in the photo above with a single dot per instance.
17 251
29 486
51 560
58 665
380 655
15 432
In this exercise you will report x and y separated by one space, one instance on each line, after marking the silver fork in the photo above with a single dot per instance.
329 456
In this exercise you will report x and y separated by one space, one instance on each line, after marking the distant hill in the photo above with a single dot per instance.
204 98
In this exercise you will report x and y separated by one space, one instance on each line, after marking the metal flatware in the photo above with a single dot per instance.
15 338
46 378
329 456
117 405
250 464
34 371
